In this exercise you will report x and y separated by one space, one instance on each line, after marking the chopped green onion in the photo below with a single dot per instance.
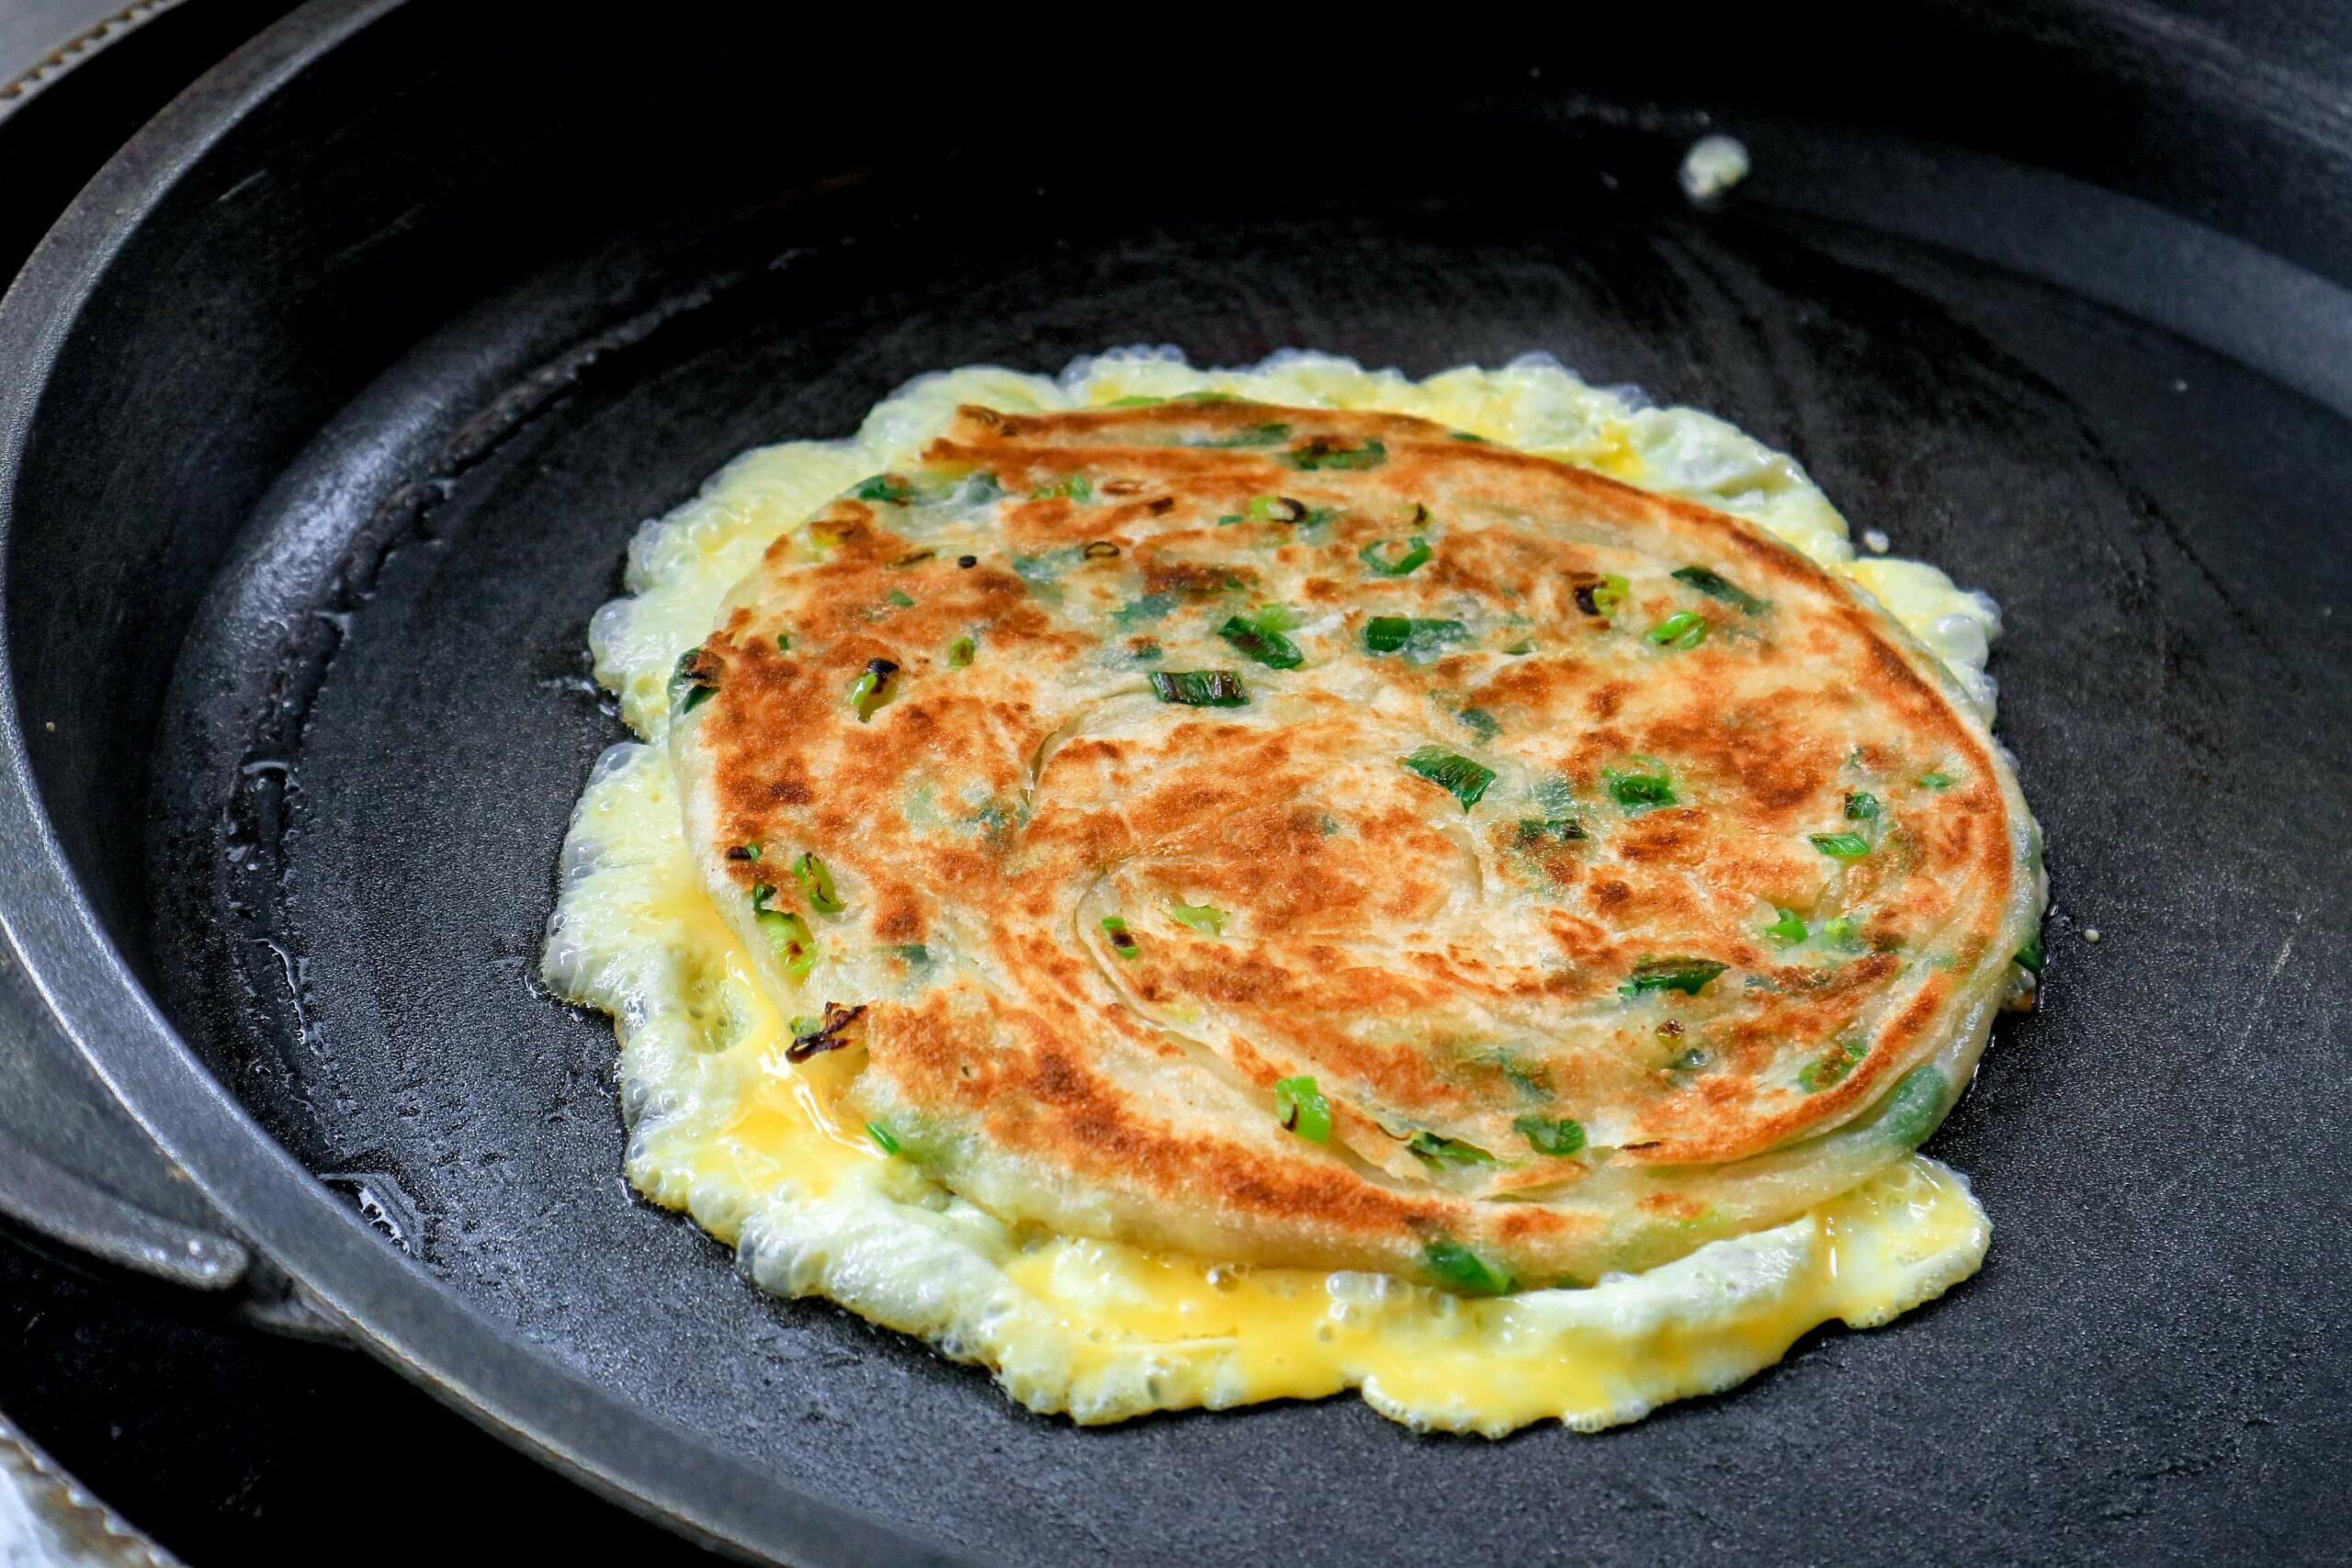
1914 1107
1200 916
1465 436
1548 1136
1434 1148
983 488
1684 628
959 652
1123 940
1688 976
1481 723
1044 567
1861 805
788 937
1841 930
1715 586
1689 1059
911 953
1329 452
1302 1109
1830 1071
816 884
1209 398
889 489
1532 831
1522 646
871 690
900 597
1150 607
745 851
1841 846
1200 688
1531 1079
882 1138
694 682
1644 783
2031 956
1133 402
1274 509
1601 595
1077 487
1458 1268
1253 639
1788 927
1389 633
1383 558
1254 435
1450 772
1934 781
784 642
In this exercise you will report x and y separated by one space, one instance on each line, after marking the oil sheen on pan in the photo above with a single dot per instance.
1191 888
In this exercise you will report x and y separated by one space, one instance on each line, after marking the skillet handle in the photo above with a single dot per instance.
43 1195
99 1224
78 1169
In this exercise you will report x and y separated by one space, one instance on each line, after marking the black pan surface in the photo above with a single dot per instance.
335 855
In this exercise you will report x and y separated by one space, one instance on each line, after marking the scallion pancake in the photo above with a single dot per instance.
1315 838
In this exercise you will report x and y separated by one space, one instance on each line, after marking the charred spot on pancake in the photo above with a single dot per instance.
830 1032
1195 580
695 680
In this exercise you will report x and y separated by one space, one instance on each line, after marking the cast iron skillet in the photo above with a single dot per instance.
329 409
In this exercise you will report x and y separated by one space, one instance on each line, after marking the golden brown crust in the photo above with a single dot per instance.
1445 972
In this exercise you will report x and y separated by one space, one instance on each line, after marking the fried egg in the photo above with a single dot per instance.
830 1049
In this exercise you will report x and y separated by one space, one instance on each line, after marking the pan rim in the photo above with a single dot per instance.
398 1313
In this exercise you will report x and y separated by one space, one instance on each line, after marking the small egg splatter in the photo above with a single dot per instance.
1874 541
1712 167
